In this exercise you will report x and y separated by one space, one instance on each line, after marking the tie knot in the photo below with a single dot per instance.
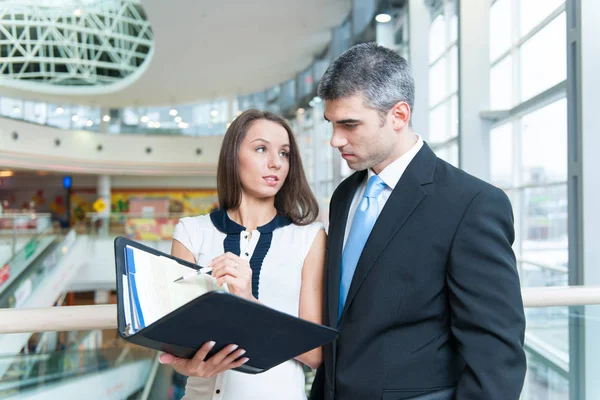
374 187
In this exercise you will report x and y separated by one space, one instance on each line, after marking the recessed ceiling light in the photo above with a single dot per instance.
173 112
77 12
383 18
106 118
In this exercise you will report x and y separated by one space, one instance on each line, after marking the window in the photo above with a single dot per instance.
527 59
539 50
443 82
544 58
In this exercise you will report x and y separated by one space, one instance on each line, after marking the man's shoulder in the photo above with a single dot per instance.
459 181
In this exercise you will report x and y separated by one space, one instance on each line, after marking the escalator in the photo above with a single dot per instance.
36 276
50 365
23 272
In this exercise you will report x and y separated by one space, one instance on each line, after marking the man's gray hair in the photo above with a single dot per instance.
378 73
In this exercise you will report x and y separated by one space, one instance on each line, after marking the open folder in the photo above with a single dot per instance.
179 317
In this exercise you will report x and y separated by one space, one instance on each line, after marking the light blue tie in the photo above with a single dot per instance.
364 219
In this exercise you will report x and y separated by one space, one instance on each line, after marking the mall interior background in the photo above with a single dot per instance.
112 115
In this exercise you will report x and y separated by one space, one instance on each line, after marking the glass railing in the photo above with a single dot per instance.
192 120
27 270
561 352
17 230
136 226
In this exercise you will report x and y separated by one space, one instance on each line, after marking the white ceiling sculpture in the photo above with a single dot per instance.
73 47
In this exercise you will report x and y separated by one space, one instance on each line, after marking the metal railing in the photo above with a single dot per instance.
68 318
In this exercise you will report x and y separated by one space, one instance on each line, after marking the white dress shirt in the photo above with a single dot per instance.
390 176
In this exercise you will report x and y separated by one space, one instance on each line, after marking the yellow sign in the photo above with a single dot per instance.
99 205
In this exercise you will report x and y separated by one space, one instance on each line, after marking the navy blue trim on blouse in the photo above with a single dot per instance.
231 243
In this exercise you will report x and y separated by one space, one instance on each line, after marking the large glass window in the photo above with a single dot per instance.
528 57
443 81
528 154
528 159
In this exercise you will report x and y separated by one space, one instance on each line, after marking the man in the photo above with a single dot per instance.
421 278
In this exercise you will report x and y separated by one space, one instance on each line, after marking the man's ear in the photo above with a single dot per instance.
400 115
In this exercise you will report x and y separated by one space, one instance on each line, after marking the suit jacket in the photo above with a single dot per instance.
434 310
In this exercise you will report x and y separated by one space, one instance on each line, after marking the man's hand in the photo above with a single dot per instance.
199 367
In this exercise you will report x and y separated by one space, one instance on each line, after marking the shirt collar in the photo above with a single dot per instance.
393 172
222 222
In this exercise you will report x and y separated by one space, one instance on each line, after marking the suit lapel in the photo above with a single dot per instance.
336 242
405 198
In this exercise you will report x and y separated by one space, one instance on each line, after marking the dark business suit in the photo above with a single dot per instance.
434 310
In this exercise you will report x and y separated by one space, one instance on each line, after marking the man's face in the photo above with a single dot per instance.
359 134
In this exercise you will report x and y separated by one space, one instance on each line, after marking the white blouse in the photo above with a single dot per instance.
276 253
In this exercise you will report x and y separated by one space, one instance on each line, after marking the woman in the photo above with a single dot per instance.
263 242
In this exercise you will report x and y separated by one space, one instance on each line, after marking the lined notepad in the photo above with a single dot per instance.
149 291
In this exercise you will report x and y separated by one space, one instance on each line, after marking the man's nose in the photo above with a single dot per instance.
338 140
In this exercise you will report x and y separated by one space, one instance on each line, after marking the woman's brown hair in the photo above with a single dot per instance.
294 199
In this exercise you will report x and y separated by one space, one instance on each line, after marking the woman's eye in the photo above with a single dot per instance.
284 154
260 149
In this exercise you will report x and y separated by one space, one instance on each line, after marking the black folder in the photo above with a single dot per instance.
270 337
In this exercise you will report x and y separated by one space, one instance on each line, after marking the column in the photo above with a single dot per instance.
231 112
104 121
419 21
473 89
384 33
103 192
583 26
319 166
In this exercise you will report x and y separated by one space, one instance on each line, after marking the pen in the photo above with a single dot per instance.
204 270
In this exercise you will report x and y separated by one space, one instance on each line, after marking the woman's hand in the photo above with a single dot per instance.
236 272
198 366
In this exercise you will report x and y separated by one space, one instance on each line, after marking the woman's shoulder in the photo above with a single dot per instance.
309 229
196 222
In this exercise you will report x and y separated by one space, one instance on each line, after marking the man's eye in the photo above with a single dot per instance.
351 126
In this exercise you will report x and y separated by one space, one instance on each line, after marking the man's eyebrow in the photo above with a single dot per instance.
344 121
348 121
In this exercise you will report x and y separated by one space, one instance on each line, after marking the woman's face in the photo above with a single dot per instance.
264 159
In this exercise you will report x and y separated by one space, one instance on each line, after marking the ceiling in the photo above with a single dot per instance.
206 49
